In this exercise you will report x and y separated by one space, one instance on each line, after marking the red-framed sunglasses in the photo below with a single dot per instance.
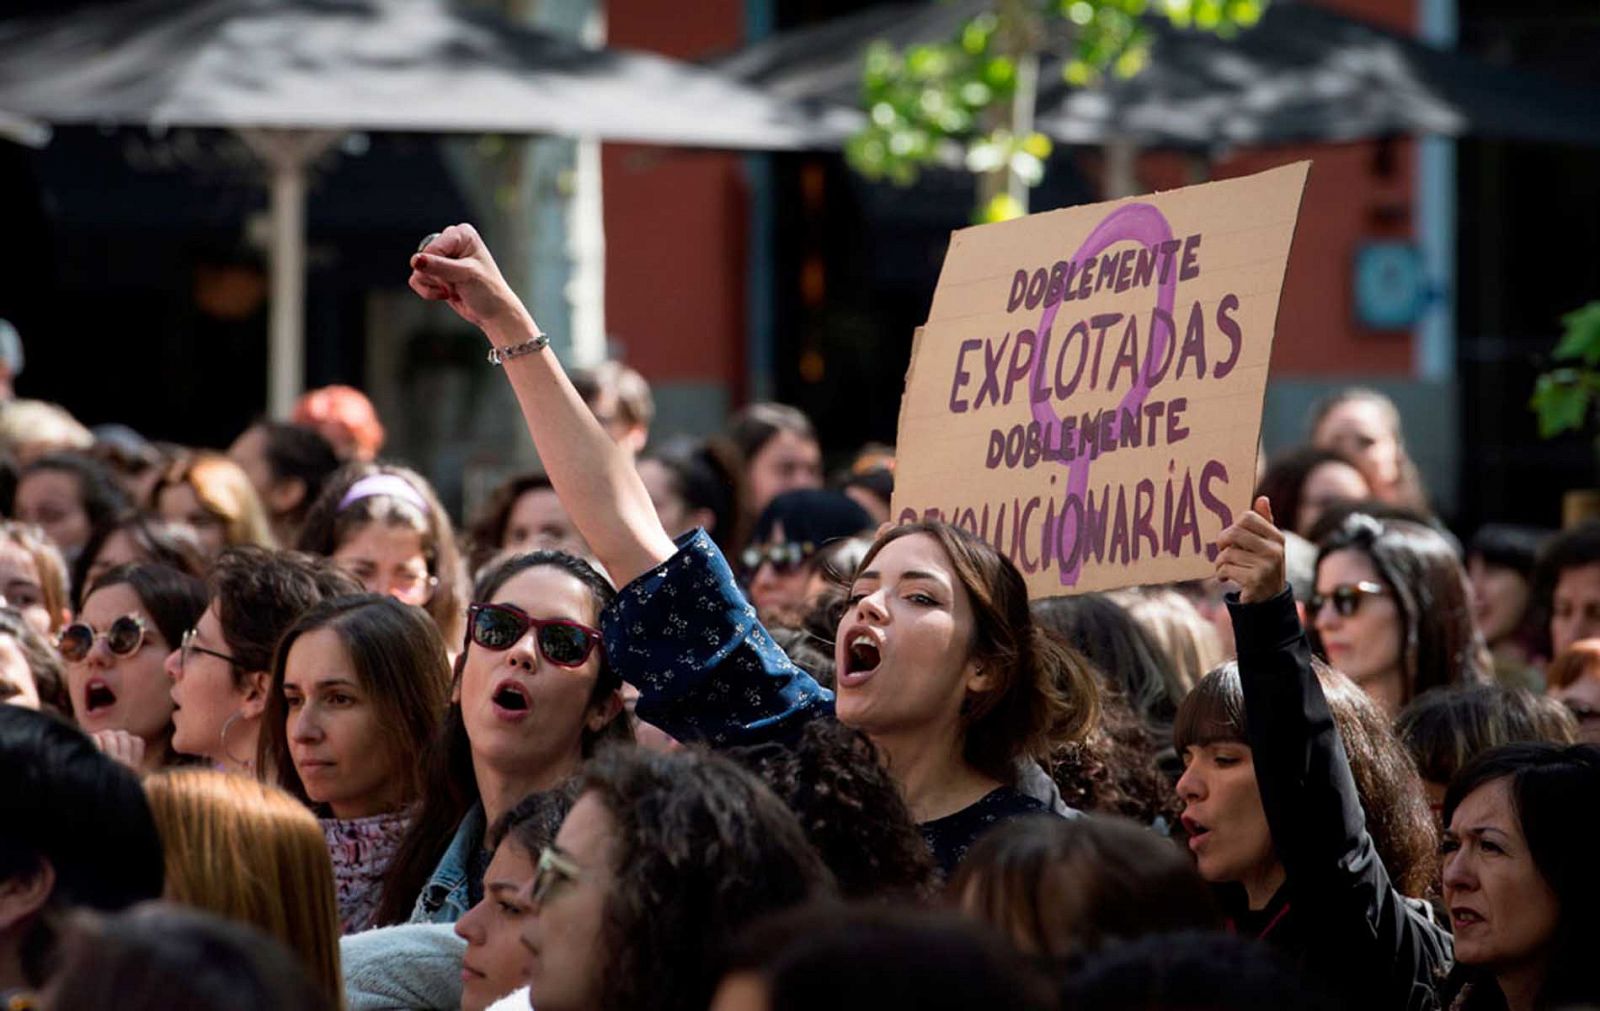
501 626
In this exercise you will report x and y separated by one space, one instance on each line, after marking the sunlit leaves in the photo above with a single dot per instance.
951 102
1563 396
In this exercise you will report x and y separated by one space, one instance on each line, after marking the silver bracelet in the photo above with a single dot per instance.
498 356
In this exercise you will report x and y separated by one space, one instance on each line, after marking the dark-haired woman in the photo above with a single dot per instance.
1500 567
384 525
115 654
1520 881
136 538
784 550
1298 797
938 660
533 695
359 687
70 495
780 452
1304 482
522 514
1393 610
697 483
663 861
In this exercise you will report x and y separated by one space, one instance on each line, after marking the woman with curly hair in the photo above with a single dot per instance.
938 660
661 863
1301 803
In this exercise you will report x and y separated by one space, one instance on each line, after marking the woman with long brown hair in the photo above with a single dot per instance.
938 659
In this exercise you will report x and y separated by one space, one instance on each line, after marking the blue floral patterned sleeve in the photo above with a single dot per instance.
706 669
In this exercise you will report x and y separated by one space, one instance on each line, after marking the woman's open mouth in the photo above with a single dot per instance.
862 655
511 701
97 696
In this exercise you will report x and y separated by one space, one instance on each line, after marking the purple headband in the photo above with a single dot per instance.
392 485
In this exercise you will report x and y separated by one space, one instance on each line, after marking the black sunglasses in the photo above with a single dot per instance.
784 558
124 638
1346 598
501 626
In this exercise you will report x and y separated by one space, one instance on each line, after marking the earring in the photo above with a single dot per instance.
227 725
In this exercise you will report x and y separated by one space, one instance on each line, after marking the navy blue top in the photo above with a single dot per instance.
708 671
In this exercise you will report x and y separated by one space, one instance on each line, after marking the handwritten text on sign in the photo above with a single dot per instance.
1086 395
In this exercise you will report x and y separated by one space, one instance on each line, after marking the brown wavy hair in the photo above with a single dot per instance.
1045 695
703 850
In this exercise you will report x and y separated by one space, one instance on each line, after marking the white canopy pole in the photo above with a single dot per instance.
287 153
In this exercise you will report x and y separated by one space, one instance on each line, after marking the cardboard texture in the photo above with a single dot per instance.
1086 394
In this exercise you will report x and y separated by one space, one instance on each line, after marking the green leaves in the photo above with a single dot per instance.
957 102
1562 397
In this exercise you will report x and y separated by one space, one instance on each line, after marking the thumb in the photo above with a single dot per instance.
1263 508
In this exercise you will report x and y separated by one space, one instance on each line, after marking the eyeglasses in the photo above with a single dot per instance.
784 558
1346 598
187 647
552 873
501 626
123 638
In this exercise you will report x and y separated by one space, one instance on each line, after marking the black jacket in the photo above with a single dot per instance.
1337 917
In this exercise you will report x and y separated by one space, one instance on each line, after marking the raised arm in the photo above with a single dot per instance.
1319 830
595 479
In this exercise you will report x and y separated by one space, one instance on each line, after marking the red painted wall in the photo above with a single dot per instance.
676 221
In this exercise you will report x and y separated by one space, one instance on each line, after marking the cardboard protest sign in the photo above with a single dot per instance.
1086 394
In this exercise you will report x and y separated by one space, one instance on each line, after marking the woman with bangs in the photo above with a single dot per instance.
938 659
1302 804
533 695
383 524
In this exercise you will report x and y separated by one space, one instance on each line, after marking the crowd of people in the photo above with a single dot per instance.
686 723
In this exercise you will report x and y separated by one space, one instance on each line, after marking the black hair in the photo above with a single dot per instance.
260 592
868 958
102 498
1284 481
1061 888
706 475
1118 647
1446 728
70 807
174 599
532 823
170 544
1190 971
702 850
853 813
169 958
1509 547
1570 549
1552 792
450 785
298 453
811 516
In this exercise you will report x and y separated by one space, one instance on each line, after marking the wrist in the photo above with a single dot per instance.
513 326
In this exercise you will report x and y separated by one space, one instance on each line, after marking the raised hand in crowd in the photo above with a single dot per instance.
1251 555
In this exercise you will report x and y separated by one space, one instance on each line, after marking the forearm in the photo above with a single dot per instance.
595 479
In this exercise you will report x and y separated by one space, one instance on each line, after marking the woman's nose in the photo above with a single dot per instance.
1458 873
1190 785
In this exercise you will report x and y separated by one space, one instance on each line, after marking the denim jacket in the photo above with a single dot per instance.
448 894
706 669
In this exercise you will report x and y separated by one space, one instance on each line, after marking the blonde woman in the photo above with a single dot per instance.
213 495
251 853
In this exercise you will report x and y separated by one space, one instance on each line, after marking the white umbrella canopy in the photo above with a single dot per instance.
291 76
378 65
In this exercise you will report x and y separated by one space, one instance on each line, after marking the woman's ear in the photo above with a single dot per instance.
256 686
22 896
604 711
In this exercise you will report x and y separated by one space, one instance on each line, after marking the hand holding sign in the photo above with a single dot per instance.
1251 555
1086 395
